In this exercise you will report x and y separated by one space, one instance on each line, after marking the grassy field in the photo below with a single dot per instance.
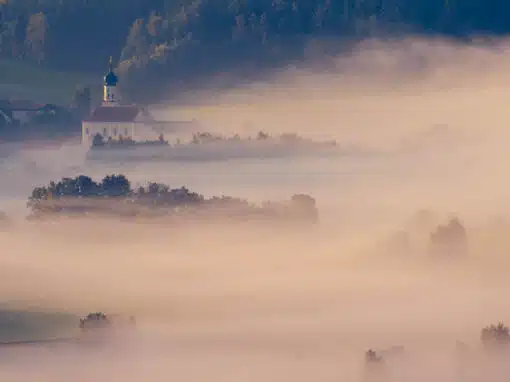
24 80
22 325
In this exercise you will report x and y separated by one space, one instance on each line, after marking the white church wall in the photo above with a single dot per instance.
87 133
113 129
139 131
145 132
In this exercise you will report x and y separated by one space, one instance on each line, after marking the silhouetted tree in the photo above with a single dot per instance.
262 136
37 29
19 36
82 100
116 185
85 186
495 335
98 140
449 239
137 43
155 28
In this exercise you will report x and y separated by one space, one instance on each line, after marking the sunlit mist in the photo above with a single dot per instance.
428 121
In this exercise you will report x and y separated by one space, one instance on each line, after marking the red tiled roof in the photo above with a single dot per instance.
113 114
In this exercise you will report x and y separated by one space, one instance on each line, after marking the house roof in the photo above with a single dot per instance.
114 114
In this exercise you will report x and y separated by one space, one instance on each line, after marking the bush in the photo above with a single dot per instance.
449 239
495 335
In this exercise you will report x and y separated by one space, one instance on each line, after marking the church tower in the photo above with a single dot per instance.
111 96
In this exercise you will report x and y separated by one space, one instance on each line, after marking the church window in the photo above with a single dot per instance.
87 131
114 131
104 130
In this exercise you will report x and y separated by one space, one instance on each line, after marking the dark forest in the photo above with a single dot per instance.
169 41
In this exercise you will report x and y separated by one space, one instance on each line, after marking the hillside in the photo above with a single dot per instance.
25 80
165 42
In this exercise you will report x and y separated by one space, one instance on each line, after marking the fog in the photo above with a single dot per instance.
220 303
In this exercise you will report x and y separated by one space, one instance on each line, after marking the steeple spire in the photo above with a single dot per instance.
110 83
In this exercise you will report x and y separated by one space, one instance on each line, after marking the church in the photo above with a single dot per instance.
114 120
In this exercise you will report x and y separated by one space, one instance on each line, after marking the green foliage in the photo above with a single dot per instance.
26 80
170 39
83 186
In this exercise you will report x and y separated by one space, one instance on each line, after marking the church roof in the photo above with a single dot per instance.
114 114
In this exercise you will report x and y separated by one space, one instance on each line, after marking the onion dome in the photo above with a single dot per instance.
111 79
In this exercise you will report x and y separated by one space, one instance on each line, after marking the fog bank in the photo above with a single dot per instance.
225 302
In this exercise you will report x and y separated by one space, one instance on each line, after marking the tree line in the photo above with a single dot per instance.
173 39
115 196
